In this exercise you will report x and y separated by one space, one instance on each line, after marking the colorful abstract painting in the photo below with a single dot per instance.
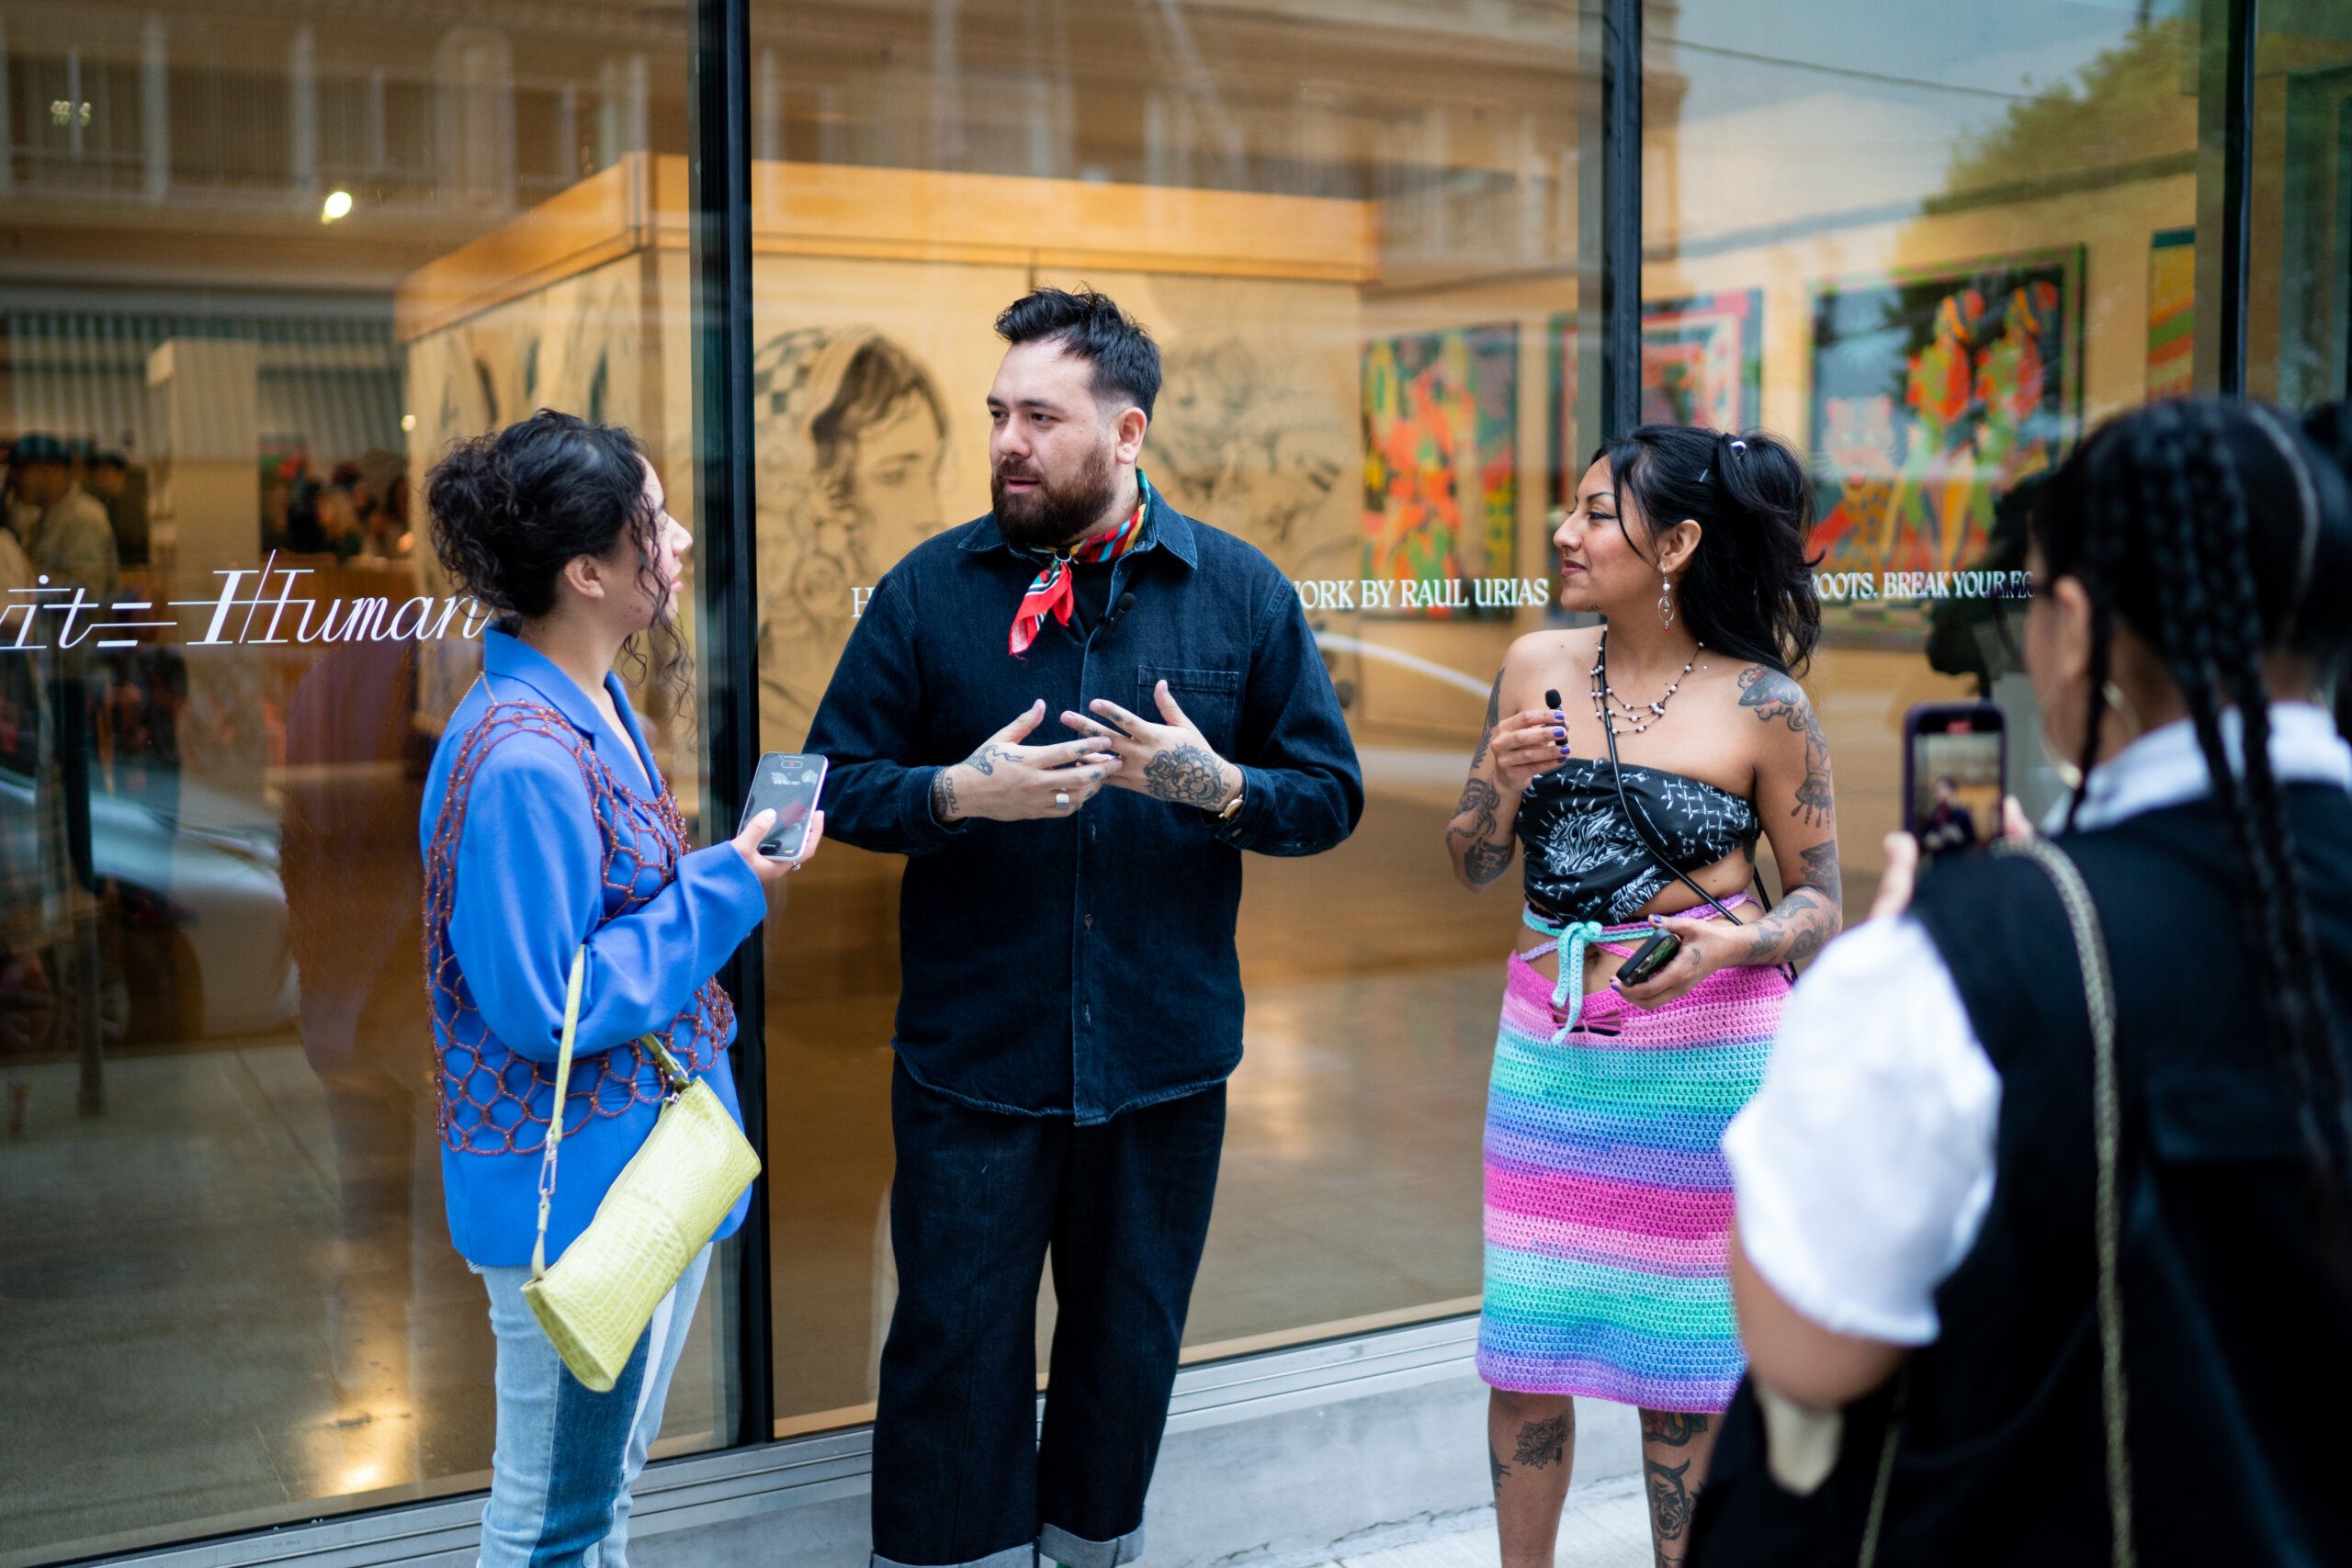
1703 362
1933 392
2172 313
1441 477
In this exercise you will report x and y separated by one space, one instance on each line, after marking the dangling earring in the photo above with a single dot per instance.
1666 601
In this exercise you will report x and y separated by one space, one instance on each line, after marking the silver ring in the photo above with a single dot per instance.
1061 800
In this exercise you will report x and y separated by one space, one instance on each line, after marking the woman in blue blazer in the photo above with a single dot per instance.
547 826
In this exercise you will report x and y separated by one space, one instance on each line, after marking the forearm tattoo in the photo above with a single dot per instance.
1188 776
1778 699
1482 859
944 807
1794 931
1494 720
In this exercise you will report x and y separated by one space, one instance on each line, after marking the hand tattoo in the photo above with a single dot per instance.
985 759
1188 776
1775 696
1542 1443
1494 718
944 805
1482 860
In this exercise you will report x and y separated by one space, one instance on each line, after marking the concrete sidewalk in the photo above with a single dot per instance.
1605 1526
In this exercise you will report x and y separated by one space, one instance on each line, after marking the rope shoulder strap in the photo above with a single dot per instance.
2107 1136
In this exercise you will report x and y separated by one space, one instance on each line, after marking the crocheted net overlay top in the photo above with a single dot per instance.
1586 862
485 1092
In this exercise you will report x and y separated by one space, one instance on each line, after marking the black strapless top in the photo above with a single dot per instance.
1585 861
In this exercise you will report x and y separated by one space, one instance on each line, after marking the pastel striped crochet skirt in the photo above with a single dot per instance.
1608 1197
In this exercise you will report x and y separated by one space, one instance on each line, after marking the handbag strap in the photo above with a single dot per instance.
668 1064
2107 1137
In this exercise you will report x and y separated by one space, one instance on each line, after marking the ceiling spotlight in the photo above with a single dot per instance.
408 421
338 205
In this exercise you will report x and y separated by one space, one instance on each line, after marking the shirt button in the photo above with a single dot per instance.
1089 922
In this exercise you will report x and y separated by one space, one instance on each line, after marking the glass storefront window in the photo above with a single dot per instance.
2300 297
263 270
1353 231
1967 235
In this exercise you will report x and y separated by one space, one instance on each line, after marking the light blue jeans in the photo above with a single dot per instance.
566 1457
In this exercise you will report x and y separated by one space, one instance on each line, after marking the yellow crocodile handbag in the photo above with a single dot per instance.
668 1200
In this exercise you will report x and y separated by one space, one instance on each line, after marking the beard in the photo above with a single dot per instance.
1059 510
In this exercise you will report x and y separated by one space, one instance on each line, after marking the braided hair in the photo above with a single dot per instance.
1748 591
2214 531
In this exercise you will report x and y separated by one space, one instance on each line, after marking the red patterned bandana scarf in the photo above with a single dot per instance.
1051 594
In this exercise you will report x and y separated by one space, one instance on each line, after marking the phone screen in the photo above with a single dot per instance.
787 784
1955 775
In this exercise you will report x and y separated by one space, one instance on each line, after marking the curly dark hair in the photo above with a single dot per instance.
1748 591
511 510
2219 535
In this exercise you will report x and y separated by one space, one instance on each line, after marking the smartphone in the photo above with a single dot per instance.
1955 774
788 784
1649 958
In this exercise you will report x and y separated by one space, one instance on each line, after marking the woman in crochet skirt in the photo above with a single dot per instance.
1639 762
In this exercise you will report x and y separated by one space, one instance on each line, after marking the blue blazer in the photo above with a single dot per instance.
530 889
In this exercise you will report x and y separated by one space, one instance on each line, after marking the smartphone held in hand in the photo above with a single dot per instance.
1646 960
787 783
1955 774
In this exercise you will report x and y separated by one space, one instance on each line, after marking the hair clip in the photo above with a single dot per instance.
1739 445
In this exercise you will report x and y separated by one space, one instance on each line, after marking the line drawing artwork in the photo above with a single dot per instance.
852 436
1242 440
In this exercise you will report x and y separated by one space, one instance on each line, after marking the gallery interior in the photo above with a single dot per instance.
261 262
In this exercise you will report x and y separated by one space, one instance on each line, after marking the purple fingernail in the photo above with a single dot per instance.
1559 734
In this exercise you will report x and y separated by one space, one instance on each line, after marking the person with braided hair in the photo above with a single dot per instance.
2044 1240
548 830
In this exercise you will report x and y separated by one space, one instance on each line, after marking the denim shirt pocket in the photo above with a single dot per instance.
1210 698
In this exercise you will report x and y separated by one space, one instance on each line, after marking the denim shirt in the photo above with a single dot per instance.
531 887
1079 966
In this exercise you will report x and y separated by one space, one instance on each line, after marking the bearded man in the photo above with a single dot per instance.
1072 716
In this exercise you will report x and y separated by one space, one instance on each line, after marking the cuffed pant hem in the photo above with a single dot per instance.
1076 1551
1021 1556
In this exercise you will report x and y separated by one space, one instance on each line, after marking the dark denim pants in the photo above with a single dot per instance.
960 1474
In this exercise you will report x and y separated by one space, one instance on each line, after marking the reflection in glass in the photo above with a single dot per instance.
916 171
1971 236
266 269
